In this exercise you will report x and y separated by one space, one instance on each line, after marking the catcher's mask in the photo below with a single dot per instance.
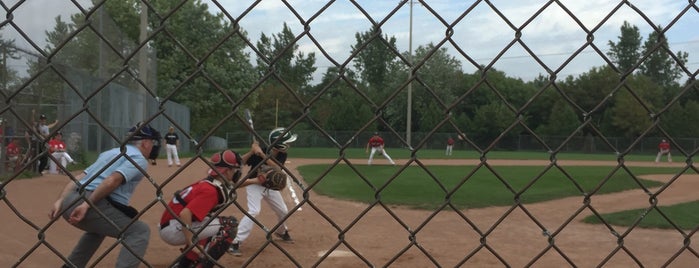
227 159
279 137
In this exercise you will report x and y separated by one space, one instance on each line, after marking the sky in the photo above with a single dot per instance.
484 34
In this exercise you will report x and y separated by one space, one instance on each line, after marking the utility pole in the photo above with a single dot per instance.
410 82
143 57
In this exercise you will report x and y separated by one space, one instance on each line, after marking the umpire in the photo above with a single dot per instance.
107 186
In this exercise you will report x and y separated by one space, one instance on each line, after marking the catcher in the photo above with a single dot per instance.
192 213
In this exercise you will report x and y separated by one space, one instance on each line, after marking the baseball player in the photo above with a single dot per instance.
376 144
108 185
663 149
279 139
156 148
192 208
450 146
39 142
172 141
57 148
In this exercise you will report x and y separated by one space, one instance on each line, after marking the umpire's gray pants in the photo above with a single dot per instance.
96 228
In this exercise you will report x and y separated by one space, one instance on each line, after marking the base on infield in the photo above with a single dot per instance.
336 253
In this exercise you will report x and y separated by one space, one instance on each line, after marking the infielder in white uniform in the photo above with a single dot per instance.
255 192
172 142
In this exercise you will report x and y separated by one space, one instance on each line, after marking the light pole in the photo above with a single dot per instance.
410 82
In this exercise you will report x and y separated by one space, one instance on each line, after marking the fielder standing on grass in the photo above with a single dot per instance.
105 188
196 205
279 140
663 149
376 144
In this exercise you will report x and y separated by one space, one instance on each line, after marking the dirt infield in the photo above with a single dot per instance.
381 236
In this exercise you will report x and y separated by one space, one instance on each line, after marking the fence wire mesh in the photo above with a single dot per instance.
163 76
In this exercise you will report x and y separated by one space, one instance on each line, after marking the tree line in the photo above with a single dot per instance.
204 62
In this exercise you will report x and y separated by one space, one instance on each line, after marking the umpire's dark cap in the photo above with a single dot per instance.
140 132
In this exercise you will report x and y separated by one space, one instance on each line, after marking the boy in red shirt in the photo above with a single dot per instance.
13 152
663 149
193 210
57 148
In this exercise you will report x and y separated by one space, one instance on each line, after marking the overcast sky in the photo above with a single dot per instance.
482 34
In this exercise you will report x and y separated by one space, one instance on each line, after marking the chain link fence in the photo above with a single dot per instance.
99 100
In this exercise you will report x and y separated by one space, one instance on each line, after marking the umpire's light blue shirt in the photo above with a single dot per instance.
132 176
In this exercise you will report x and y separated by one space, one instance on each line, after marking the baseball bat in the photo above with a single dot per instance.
248 117
292 191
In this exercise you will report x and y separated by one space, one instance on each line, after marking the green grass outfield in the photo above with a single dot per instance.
402 153
418 188
442 185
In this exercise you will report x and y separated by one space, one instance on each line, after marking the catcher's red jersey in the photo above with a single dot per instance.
200 197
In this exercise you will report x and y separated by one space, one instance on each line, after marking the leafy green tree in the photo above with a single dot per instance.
8 76
439 79
202 67
626 52
562 121
375 55
678 121
340 107
291 72
660 66
490 122
589 92
375 62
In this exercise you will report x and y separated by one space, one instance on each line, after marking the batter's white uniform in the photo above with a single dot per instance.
255 194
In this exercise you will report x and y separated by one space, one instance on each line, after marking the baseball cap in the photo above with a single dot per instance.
43 116
224 160
140 132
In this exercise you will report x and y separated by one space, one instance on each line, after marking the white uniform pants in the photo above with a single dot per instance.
255 194
63 158
449 149
171 150
382 151
172 233
661 153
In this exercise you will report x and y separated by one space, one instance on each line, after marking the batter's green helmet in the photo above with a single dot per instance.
279 137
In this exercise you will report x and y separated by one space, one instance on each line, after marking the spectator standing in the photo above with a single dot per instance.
40 145
376 143
98 203
450 145
156 148
663 149
172 141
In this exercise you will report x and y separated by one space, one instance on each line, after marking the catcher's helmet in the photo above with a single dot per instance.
279 141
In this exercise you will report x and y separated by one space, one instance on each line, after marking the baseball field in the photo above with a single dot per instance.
331 232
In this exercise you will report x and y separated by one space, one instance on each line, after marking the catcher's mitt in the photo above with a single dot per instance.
273 179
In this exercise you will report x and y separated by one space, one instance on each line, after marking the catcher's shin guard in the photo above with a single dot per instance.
219 244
